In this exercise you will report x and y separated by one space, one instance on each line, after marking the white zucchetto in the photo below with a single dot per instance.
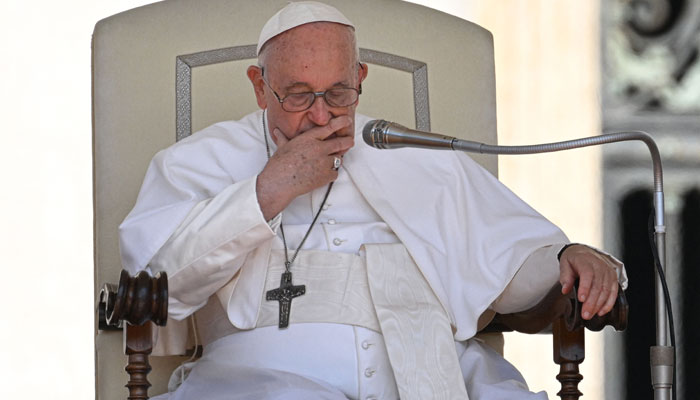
299 13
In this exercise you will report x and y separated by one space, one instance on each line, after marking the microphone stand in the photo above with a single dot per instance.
382 134
661 355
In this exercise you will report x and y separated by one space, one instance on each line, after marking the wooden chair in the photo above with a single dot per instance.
163 71
138 303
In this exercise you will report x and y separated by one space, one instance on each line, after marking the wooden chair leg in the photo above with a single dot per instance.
569 351
138 345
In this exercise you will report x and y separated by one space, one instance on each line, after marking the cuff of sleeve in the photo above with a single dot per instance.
566 246
535 277
230 215
274 223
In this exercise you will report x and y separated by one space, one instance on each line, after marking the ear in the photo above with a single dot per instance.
362 73
255 75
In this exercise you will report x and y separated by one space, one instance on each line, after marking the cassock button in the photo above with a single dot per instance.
370 398
326 206
331 221
366 344
369 372
337 241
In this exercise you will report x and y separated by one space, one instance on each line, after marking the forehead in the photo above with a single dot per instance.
310 50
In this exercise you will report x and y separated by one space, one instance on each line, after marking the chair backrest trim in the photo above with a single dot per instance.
185 63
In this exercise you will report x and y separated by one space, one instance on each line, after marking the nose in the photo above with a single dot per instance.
319 113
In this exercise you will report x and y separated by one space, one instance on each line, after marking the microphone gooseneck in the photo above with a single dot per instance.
383 134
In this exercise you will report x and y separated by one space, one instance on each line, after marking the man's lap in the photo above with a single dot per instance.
254 367
216 381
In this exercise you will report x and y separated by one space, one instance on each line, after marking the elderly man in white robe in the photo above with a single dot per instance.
312 276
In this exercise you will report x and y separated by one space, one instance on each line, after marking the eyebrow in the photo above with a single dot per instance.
295 85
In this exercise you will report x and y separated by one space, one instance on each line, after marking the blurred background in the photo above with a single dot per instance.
564 69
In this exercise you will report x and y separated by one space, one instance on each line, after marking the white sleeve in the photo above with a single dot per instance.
210 245
535 278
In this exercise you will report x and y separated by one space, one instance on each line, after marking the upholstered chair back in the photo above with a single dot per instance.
163 71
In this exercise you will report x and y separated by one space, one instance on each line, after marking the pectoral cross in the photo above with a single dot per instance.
284 294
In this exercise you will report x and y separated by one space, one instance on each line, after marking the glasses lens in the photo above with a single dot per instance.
341 97
298 101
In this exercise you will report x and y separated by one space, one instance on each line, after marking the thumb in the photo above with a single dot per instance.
280 139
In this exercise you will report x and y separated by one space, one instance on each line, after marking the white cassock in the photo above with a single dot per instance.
197 218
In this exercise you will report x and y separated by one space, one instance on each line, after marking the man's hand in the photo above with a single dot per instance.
597 276
302 164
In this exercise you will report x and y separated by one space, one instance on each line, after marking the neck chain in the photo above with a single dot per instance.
287 291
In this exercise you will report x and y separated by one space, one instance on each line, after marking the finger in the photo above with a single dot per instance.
611 300
346 131
585 280
340 153
600 290
611 294
333 126
280 138
604 295
567 277
338 145
590 306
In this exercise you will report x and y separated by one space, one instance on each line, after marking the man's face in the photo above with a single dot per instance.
310 58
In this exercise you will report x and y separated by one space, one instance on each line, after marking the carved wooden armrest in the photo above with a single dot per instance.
135 304
556 305
562 314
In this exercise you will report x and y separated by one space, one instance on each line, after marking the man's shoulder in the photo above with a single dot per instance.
243 130
240 134
230 147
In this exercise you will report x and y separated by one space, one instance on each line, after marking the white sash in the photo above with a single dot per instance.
383 291
416 329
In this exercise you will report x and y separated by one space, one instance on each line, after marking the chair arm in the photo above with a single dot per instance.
561 315
140 301
135 300
555 305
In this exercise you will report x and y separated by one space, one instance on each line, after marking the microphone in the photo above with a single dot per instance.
383 134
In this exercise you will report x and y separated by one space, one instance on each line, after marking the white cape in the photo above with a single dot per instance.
467 232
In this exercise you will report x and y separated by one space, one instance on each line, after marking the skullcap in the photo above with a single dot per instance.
299 13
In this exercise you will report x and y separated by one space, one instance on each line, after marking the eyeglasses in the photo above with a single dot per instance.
335 97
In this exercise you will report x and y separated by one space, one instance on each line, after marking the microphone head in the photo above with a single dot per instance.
383 134
373 133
